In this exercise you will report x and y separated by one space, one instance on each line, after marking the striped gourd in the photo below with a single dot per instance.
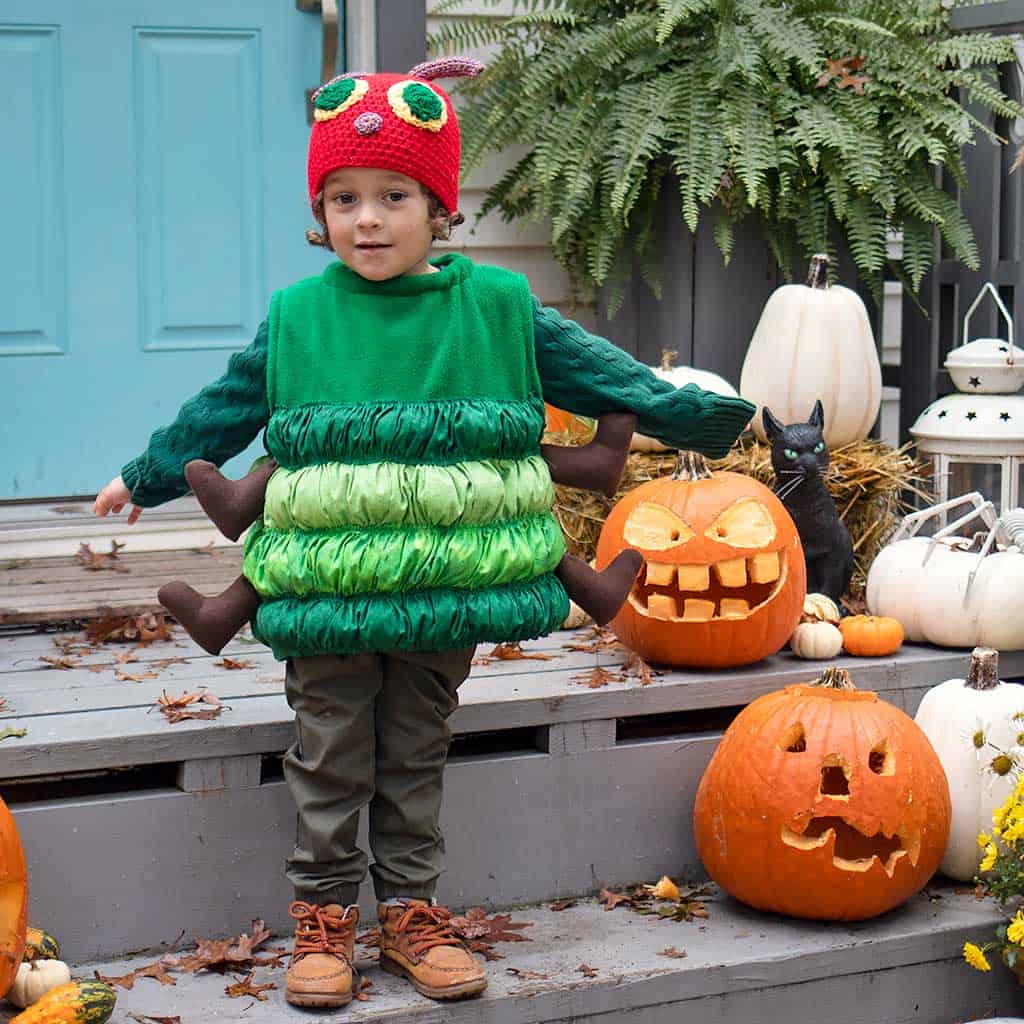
79 1002
40 945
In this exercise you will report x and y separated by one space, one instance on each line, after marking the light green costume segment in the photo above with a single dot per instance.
339 494
413 509
388 559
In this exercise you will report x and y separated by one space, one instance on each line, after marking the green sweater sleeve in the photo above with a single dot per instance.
587 375
214 425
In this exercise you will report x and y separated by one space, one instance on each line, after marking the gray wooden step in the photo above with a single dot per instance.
741 965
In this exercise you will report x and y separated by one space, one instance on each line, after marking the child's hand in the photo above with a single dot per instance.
113 498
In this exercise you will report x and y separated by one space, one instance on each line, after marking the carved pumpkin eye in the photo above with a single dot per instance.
655 527
337 96
418 105
744 524
793 740
882 760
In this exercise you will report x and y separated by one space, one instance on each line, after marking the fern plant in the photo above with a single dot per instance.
823 119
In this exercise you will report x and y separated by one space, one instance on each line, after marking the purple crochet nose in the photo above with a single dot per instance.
368 123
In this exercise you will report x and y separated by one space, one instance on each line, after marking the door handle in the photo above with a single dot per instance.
328 11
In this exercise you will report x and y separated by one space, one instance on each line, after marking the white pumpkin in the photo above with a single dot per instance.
815 341
816 640
961 717
35 978
932 600
680 376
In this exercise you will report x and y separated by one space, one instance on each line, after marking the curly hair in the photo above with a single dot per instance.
440 220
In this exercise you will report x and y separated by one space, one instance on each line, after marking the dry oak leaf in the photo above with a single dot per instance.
636 666
96 560
512 652
167 662
124 657
499 928
364 992
143 1018
597 677
143 629
671 951
841 67
178 709
233 663
222 955
245 987
518 972
612 899
598 638
563 904
133 677
63 663
157 970
587 970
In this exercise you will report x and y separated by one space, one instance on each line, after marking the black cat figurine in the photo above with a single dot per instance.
800 458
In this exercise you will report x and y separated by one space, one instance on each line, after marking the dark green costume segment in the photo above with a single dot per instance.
408 432
429 619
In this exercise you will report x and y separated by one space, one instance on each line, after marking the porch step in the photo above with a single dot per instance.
740 965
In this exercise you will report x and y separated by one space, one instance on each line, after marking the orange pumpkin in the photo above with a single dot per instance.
723 581
558 421
13 899
822 803
871 636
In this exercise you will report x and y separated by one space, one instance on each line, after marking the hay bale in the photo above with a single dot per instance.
870 481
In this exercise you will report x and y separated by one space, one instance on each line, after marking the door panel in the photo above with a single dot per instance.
153 195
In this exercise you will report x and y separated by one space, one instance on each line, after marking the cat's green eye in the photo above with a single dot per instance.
790 454
820 446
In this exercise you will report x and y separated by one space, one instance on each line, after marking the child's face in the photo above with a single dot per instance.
377 221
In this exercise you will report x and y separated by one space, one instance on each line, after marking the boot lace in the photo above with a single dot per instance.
318 931
427 927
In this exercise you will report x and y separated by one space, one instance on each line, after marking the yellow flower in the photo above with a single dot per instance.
975 957
1000 813
1014 832
1015 932
984 839
989 861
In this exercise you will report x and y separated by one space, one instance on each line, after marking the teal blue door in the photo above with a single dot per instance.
152 195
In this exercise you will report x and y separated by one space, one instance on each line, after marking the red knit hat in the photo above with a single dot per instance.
397 122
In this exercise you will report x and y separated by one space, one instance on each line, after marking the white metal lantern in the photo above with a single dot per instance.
976 435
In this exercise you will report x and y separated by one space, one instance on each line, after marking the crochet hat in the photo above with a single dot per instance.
402 123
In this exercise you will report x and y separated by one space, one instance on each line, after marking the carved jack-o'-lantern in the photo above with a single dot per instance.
822 802
724 578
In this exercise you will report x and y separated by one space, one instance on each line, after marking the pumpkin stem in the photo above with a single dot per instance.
668 356
817 274
835 678
691 466
984 671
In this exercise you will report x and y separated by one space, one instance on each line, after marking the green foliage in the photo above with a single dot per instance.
824 120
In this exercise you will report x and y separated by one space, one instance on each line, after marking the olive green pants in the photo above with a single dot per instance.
371 730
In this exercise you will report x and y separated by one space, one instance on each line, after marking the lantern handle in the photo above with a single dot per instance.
990 287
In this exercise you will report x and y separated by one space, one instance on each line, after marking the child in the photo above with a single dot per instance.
408 513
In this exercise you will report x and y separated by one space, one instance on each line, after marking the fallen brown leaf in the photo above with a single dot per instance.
597 677
177 709
233 663
518 972
8 732
512 652
62 663
563 904
499 928
143 629
222 955
246 987
364 992
167 662
598 638
671 951
587 970
636 666
142 1018
612 899
124 657
157 970
206 549
96 560
133 677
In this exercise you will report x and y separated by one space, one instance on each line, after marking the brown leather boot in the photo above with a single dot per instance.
320 970
211 621
233 505
600 594
417 942
596 466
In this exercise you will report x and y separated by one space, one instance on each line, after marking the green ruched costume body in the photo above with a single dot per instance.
412 508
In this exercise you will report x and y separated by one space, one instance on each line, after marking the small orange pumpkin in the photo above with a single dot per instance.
724 579
558 421
871 636
822 801
13 899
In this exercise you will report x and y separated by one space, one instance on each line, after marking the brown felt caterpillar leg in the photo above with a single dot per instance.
600 594
211 621
233 505
596 466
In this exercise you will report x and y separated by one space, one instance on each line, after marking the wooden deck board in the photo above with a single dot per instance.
69 591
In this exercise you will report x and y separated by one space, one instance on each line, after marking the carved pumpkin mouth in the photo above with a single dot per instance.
854 850
731 589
